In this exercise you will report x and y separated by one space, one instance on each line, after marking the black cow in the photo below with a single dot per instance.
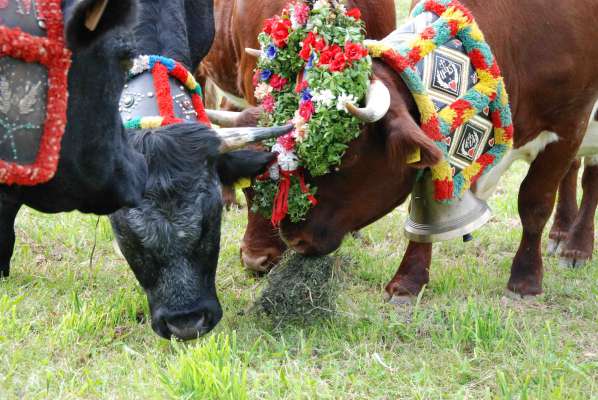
99 171
172 239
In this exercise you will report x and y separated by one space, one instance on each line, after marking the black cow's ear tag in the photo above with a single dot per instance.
243 183
94 15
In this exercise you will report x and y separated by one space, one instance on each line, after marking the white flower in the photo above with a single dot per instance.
323 98
287 160
343 99
341 7
262 90
274 172
321 4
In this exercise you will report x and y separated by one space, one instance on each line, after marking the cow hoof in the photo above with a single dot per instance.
554 247
574 259
402 287
4 272
525 288
400 301
566 262
519 297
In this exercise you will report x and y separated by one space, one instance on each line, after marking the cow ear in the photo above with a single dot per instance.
87 20
408 142
242 164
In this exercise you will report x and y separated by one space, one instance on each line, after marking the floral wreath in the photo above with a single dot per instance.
161 69
51 52
313 63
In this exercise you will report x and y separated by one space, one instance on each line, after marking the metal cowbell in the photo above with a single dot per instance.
433 221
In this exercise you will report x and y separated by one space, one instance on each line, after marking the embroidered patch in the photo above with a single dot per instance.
34 65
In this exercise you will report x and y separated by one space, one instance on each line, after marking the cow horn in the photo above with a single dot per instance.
377 103
94 15
236 138
225 119
253 52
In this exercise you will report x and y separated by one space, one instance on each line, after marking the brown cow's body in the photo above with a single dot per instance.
548 57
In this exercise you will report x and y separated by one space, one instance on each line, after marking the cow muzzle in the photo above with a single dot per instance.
188 324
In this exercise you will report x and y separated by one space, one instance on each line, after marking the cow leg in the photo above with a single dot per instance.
566 210
229 197
8 213
580 242
536 201
413 273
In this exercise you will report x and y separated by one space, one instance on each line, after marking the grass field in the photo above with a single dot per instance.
71 328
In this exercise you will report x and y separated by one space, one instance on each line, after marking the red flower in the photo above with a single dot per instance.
338 63
355 13
280 32
328 54
305 53
268 24
306 109
354 52
320 45
310 40
301 86
278 82
268 103
287 141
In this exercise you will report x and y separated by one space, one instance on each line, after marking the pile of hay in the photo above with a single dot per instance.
301 289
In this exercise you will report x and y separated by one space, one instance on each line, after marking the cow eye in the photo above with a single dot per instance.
126 64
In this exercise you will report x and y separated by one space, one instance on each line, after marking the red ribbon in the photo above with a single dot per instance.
281 201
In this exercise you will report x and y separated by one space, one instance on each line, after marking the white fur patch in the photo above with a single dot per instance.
487 184
589 146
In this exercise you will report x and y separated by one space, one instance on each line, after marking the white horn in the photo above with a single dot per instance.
94 15
225 119
236 138
377 103
253 52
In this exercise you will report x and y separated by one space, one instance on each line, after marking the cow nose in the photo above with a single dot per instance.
259 260
192 325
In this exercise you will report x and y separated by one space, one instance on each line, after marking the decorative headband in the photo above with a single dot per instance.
162 68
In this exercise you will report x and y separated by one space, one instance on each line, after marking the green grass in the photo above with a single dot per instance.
72 329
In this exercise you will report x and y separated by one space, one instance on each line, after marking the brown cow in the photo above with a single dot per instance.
228 69
572 234
549 68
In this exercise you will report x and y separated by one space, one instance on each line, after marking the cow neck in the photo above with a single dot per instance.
33 90
450 70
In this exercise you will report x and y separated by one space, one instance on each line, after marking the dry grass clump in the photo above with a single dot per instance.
301 289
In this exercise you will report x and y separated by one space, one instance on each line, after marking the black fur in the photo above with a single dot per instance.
172 239
99 172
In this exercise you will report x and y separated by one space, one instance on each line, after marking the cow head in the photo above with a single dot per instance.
373 179
99 171
171 240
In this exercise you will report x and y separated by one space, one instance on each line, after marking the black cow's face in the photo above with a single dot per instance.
172 239
99 171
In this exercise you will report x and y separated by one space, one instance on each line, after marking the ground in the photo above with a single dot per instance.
71 328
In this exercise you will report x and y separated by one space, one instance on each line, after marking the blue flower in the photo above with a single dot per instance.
310 63
265 75
306 95
271 52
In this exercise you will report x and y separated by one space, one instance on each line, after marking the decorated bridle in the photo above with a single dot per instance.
32 45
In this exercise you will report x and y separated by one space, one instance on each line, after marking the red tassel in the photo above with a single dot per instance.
281 201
